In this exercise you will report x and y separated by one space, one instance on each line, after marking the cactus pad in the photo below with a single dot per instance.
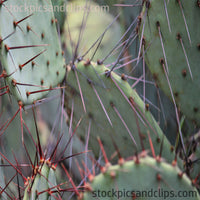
171 38
111 109
143 178
29 49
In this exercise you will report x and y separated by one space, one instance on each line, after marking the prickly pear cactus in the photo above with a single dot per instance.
42 184
160 106
103 104
91 26
172 47
141 178
30 53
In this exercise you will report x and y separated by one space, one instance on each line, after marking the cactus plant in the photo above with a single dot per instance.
160 106
141 178
99 102
59 11
31 56
40 186
170 34
109 108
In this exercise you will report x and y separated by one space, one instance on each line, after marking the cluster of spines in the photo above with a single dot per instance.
42 181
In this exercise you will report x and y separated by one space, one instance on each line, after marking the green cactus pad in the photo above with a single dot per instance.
97 19
119 114
141 179
29 51
41 185
171 37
